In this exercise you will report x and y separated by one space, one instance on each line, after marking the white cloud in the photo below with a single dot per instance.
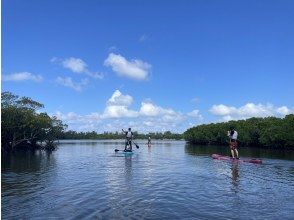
228 118
77 65
118 98
248 110
116 111
77 122
73 117
149 109
160 118
134 69
222 110
117 106
68 82
149 123
195 114
95 75
172 118
22 76
118 114
284 110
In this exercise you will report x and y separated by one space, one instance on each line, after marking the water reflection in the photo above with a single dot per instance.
205 150
25 174
161 182
149 150
91 142
235 176
128 169
243 151
27 162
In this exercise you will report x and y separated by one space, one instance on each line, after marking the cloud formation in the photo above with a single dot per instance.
195 114
151 110
134 69
118 114
248 110
77 65
118 98
22 76
117 106
68 82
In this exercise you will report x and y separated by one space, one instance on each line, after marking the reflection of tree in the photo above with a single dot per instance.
27 161
194 149
33 167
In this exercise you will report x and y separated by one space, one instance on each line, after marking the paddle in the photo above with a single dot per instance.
137 146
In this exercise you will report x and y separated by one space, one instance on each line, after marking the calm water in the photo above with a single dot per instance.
170 180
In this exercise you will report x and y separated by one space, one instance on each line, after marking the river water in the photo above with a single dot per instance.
169 180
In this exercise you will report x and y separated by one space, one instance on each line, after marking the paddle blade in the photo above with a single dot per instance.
116 150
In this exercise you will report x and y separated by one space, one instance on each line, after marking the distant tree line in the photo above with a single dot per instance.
268 132
117 135
23 127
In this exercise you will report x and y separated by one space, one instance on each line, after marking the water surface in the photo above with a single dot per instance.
170 180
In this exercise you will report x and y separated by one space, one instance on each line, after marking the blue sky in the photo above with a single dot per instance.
151 65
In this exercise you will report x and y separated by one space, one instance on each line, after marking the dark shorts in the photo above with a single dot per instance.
129 142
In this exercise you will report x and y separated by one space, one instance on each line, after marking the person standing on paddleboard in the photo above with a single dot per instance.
149 141
233 134
129 138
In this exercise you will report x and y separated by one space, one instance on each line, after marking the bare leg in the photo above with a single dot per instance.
232 149
237 153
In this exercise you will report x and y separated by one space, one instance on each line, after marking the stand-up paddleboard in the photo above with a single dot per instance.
222 157
125 152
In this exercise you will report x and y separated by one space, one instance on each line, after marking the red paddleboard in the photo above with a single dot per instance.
221 157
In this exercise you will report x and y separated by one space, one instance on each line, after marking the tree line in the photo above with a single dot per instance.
268 132
118 135
24 127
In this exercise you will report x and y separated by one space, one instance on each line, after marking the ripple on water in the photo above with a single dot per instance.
163 182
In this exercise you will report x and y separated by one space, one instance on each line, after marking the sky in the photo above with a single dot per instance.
104 65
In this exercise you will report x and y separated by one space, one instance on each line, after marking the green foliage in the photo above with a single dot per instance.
22 126
118 135
262 132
